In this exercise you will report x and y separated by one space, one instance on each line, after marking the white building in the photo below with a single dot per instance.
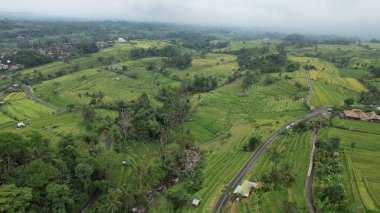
3 67
21 125
121 40
196 202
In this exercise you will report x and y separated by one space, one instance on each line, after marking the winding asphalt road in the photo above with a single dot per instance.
252 160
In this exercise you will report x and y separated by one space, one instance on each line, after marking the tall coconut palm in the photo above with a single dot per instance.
113 202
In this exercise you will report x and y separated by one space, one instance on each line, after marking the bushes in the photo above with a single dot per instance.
167 51
195 178
86 47
252 144
179 61
178 199
30 58
329 191
204 84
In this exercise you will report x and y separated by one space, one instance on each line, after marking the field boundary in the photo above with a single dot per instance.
253 158
310 175
37 100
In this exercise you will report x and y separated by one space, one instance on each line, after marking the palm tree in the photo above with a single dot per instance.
128 199
113 202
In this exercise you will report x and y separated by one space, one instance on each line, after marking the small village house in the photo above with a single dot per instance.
357 114
121 40
21 125
195 202
245 189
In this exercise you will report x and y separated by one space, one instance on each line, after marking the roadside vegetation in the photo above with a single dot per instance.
171 115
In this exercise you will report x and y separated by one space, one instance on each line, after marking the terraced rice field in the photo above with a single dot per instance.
223 121
296 150
25 109
66 89
14 96
329 87
216 65
361 163
237 45
119 51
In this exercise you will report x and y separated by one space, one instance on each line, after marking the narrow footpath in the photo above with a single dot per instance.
37 100
309 177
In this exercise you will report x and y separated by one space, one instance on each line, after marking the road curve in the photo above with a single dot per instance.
252 160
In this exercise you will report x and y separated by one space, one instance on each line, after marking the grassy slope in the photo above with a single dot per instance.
258 111
361 164
329 87
297 150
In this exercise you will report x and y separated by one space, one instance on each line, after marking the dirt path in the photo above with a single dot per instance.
37 100
309 177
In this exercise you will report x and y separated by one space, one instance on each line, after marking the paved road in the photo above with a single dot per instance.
30 95
252 160
309 177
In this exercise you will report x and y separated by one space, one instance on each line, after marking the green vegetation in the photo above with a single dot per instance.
282 173
328 187
184 105
29 58
358 161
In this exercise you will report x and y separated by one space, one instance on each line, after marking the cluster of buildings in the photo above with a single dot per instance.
59 51
104 44
357 114
6 64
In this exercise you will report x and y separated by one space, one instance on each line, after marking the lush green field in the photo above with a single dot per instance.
215 65
237 45
223 121
361 162
329 87
119 52
296 148
66 89
19 108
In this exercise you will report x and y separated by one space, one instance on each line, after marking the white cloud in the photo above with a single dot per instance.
323 16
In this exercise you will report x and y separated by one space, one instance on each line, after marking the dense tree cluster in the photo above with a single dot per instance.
280 173
329 190
29 58
203 84
371 97
192 40
375 71
86 47
180 61
252 144
257 59
33 177
167 51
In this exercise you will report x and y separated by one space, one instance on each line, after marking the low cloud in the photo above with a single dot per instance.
347 17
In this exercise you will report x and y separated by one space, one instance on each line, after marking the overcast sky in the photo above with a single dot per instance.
346 17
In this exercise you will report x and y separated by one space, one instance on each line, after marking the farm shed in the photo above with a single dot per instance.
21 125
245 189
195 202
